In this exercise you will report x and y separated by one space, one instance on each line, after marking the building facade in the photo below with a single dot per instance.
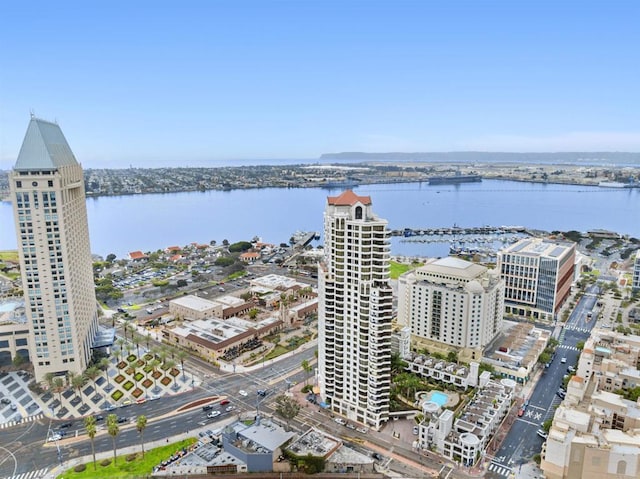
538 274
355 311
636 272
451 304
47 188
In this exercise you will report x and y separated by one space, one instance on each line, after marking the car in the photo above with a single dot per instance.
126 402
262 392
563 360
224 402
571 369
416 430
361 430
521 412
230 408
341 421
99 418
244 393
65 425
350 426
14 407
376 456
5 401
561 394
54 437
61 433
542 433
208 407
123 419
213 414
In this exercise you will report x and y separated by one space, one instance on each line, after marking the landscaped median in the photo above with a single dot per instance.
127 465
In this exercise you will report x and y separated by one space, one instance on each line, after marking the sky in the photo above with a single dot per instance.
155 83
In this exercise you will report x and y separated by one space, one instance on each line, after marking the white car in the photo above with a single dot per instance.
54 437
230 408
563 360
244 393
213 414
339 420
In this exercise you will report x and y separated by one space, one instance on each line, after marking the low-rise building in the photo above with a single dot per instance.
464 439
14 331
596 431
451 373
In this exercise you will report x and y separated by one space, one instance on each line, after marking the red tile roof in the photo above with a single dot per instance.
137 255
348 198
173 248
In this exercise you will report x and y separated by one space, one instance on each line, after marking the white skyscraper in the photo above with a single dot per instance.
47 188
355 311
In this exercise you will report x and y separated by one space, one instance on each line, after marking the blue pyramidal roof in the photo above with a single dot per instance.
44 148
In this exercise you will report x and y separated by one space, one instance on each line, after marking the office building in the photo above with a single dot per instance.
47 188
355 311
538 274
451 305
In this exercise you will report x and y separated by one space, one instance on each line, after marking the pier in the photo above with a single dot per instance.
459 231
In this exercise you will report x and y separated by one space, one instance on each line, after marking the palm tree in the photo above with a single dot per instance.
182 355
125 329
78 381
104 365
141 423
120 342
92 374
90 426
48 378
113 429
133 364
170 364
306 367
58 387
154 367
135 337
148 338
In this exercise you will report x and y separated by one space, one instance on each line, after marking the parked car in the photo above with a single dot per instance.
262 392
123 419
208 407
65 425
350 426
54 437
213 414
242 392
341 421
521 412
542 433
224 402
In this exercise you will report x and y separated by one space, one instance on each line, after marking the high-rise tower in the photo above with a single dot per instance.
50 211
355 311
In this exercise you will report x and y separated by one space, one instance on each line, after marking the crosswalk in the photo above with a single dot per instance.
500 469
39 474
566 346
35 417
581 330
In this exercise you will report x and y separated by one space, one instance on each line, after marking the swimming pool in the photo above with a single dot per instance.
439 398
9 306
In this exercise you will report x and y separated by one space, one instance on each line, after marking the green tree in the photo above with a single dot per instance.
113 429
155 363
287 408
398 365
90 426
78 383
307 368
253 313
452 357
110 259
181 356
141 424
580 345
136 339
120 343
58 387
170 364
92 374
48 379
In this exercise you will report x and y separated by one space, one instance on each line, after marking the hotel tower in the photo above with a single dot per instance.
355 311
47 189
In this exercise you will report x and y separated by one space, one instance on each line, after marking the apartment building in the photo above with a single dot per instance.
355 311
47 189
538 274
636 272
596 430
464 439
451 304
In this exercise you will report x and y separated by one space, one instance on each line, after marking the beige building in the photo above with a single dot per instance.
47 188
596 432
355 311
14 331
538 274
451 304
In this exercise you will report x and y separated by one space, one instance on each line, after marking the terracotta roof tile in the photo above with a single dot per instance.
348 198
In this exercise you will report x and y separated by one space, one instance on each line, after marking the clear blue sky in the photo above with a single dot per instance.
154 83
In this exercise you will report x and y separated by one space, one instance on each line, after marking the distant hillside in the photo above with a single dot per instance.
589 158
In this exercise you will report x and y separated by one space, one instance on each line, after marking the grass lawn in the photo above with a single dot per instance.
138 468
277 351
396 269
9 255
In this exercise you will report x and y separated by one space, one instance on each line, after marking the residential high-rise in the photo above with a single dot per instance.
47 188
451 305
635 284
355 311
538 274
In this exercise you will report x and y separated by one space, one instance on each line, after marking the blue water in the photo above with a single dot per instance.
120 224
439 398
